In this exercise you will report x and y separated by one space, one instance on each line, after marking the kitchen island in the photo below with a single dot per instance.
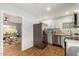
71 46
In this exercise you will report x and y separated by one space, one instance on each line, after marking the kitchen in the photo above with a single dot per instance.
64 30
52 32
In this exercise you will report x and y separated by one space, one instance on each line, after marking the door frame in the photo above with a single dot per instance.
13 14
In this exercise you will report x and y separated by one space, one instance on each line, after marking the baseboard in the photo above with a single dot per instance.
57 45
27 47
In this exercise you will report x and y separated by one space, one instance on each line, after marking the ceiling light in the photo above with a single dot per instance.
5 19
48 8
67 13
75 11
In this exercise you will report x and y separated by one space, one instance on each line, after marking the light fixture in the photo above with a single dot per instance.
75 11
67 13
48 8
5 19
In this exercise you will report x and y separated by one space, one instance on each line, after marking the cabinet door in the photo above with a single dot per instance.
55 39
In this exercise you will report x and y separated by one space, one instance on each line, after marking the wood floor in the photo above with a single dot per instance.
12 50
15 50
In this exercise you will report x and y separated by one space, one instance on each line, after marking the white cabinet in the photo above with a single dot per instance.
62 41
72 47
49 35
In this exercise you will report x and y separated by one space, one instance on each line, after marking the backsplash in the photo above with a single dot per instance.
71 31
75 30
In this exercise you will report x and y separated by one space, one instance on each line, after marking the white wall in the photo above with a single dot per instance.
50 23
59 21
1 36
27 24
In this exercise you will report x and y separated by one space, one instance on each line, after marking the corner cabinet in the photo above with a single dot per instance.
40 35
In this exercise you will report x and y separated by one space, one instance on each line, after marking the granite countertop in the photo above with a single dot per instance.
73 39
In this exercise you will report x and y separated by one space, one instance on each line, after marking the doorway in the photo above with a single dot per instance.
12 34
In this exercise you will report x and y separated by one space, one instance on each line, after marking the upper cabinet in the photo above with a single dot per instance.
68 25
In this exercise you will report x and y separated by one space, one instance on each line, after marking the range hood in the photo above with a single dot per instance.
76 21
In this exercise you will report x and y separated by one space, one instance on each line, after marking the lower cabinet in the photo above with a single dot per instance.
56 39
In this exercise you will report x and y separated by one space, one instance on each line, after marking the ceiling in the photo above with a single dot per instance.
39 9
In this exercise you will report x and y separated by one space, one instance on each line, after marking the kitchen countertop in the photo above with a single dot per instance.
73 39
68 40
59 34
71 43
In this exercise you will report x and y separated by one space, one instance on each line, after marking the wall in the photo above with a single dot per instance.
58 22
1 36
0 33
50 23
27 24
